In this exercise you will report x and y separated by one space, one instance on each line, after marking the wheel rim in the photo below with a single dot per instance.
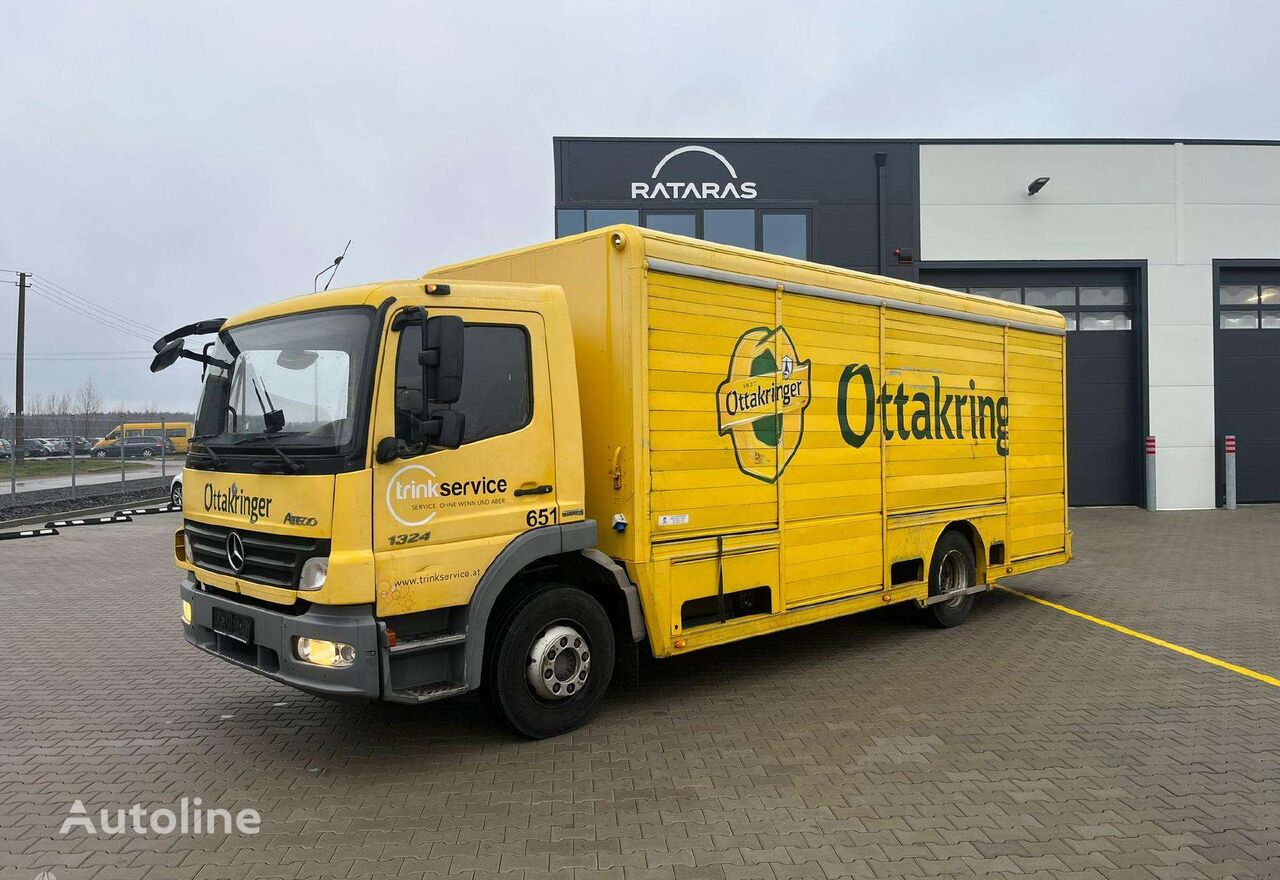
559 662
953 576
176 497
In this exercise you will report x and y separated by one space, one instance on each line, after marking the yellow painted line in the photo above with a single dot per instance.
1179 649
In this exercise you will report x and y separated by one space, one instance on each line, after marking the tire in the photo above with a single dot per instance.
101 453
147 453
952 567
566 636
175 495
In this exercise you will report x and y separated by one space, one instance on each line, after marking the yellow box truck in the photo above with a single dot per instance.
520 473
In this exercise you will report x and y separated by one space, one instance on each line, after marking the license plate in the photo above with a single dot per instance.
233 626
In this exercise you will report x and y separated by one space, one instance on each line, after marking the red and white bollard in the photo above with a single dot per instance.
1150 459
1229 470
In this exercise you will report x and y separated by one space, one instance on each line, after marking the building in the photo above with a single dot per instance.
1163 255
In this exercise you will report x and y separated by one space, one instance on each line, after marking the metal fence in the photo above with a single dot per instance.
59 461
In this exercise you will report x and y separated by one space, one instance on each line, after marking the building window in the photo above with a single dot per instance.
569 221
497 396
677 223
785 234
732 226
598 218
1248 306
1092 307
1008 294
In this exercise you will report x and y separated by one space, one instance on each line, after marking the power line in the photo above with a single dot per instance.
101 308
72 306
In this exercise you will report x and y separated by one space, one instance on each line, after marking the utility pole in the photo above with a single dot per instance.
19 429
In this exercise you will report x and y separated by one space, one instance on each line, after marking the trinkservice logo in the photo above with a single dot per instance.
706 190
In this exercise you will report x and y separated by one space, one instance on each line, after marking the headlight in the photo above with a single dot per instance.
322 652
314 571
186 611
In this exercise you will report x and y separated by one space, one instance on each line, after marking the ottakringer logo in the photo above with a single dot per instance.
762 400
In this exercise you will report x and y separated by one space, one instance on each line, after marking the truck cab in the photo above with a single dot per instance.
384 483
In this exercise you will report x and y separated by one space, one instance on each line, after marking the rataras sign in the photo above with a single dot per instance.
706 190
762 401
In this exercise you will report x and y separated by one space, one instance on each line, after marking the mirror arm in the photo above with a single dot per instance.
205 359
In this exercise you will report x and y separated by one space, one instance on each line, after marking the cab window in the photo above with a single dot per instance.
497 395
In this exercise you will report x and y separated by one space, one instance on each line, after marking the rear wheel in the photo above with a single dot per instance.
553 661
952 570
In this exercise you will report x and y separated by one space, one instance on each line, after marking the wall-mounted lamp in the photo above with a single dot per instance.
1036 185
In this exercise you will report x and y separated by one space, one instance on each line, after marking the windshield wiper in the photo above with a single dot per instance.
204 439
273 422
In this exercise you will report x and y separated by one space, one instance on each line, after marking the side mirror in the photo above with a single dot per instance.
441 359
444 429
166 355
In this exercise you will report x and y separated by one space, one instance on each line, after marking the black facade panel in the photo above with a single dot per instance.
837 182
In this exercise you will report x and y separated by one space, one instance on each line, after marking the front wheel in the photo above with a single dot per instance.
175 495
553 662
101 453
952 570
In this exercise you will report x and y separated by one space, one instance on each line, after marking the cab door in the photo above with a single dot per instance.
442 515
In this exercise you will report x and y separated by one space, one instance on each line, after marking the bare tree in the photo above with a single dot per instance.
88 404
4 416
61 407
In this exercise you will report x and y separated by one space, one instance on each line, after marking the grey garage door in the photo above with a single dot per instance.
1246 368
1104 370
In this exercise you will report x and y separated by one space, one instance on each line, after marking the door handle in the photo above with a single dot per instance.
533 490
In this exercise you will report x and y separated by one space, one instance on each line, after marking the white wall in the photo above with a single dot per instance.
1178 206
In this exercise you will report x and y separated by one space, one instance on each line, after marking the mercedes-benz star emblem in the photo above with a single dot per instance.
235 552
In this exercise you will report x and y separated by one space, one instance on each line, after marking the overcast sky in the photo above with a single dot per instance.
174 161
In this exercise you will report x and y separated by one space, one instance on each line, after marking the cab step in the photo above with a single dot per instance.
426 642
427 693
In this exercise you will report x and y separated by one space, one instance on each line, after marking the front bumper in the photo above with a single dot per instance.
271 652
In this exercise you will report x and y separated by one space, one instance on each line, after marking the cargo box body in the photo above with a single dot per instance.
781 442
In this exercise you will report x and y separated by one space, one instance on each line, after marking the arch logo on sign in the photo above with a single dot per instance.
671 187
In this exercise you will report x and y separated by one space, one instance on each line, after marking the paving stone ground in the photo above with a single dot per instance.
1025 743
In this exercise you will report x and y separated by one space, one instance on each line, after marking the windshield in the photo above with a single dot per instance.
310 366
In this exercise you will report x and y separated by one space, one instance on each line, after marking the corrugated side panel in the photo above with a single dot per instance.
696 331
940 452
830 490
1037 472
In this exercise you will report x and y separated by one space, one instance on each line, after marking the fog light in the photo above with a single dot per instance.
314 571
186 611
322 652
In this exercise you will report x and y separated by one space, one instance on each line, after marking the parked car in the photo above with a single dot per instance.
6 448
56 445
80 445
175 491
34 447
137 447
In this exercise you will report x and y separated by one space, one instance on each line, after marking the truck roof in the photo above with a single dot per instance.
726 258
496 294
